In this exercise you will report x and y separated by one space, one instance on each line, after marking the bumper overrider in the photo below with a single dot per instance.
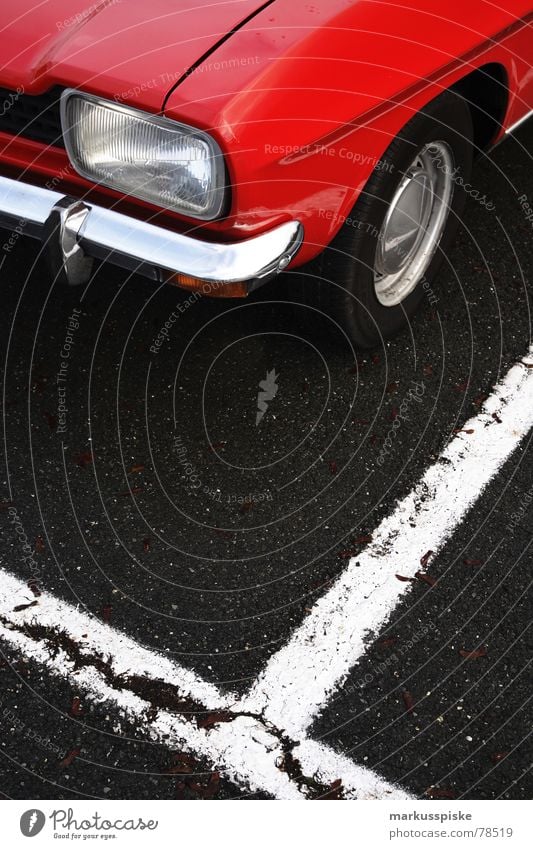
75 233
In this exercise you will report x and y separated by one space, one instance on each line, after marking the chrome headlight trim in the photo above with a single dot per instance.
218 192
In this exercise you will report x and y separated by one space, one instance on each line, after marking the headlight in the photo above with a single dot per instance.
152 158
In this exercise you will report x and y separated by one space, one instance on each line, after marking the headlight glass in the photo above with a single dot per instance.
152 158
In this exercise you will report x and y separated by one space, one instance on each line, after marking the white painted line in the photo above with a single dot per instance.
125 655
298 680
360 782
245 750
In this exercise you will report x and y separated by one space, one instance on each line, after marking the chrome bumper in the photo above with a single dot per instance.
74 233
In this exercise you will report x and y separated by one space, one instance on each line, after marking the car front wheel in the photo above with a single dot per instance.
373 276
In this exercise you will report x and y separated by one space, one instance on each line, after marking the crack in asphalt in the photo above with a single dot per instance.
164 696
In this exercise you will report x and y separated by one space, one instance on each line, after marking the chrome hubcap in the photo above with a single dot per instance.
414 224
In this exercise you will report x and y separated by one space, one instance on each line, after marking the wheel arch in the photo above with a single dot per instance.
486 90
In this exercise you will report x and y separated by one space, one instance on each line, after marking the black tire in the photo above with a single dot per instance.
339 283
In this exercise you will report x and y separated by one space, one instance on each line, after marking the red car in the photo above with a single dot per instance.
217 144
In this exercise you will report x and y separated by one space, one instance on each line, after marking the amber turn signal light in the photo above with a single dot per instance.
211 289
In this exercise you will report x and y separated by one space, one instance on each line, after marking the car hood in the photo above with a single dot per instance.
130 50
